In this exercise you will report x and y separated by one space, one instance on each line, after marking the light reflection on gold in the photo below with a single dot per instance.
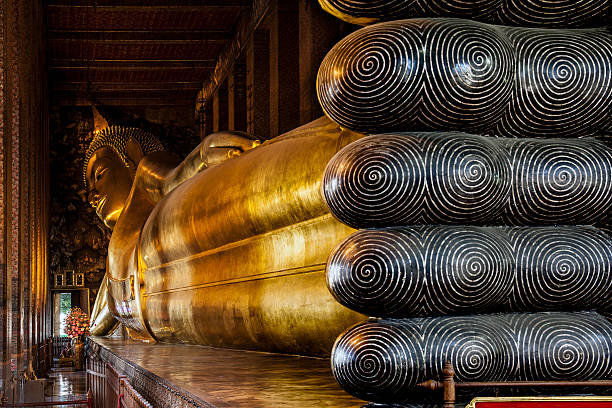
234 255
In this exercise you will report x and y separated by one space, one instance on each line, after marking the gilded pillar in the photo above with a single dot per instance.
23 187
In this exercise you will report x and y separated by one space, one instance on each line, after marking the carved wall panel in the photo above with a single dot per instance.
78 239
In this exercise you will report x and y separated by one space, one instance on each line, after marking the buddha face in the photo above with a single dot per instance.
109 182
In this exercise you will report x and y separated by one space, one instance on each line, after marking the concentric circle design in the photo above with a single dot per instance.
377 362
479 347
562 83
552 14
466 178
467 270
469 76
453 74
385 60
437 270
563 268
535 13
557 348
383 360
377 179
568 180
417 178
379 273
456 178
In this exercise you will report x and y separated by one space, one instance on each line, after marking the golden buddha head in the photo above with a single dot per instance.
110 166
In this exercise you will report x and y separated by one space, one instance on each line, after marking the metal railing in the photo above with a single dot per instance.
110 389
96 379
130 398
59 343
448 385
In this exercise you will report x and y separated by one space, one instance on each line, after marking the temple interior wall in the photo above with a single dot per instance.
269 90
24 190
46 225
270 87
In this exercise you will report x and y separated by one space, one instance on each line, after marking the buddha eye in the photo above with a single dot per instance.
99 172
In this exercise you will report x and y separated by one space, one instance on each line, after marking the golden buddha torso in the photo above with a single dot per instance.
235 255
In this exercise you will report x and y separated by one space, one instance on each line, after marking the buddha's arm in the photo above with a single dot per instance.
158 173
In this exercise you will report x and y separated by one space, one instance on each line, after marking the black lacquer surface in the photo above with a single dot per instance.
457 178
383 360
536 13
454 74
438 270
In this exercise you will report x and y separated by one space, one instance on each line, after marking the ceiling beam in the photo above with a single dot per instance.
125 77
149 5
127 94
118 86
122 101
139 35
123 64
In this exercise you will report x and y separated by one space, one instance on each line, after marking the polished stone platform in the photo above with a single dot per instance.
171 375
65 384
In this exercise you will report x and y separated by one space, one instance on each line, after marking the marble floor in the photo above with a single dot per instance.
65 384
233 378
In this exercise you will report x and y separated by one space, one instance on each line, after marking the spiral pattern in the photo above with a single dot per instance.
560 268
436 270
452 74
479 347
378 176
556 348
536 13
569 180
466 178
451 178
393 180
383 360
416 271
388 66
562 82
367 356
379 273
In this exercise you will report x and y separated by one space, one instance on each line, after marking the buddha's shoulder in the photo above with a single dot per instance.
156 164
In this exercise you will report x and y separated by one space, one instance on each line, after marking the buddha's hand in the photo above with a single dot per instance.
221 146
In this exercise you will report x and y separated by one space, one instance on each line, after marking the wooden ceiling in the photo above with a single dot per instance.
136 52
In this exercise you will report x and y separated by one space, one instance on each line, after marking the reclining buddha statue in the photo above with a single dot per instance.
226 248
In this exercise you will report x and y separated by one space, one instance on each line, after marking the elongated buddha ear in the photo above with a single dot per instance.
133 153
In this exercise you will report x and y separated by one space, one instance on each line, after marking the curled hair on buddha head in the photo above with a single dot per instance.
117 138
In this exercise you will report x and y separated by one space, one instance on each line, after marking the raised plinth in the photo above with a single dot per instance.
170 375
